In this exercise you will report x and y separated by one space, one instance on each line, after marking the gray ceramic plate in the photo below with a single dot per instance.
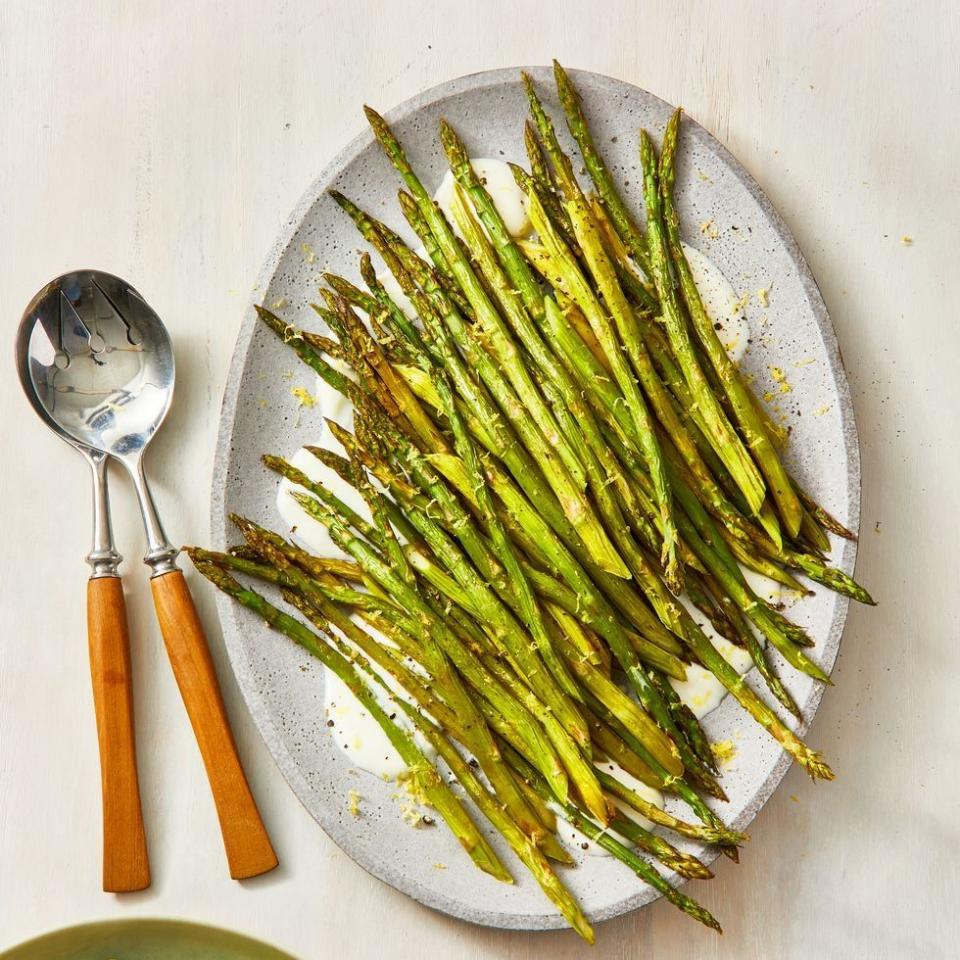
793 333
143 940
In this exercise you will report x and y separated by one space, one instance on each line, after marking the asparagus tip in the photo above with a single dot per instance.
565 88
817 767
687 866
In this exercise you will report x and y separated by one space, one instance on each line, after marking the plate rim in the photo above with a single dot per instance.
227 613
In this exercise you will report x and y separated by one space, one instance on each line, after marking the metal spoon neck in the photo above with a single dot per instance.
161 555
104 559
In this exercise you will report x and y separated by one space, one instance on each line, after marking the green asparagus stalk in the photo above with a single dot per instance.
751 426
829 576
757 654
725 441
604 331
650 770
626 227
602 468
562 168
422 771
705 834
521 845
627 828
294 338
686 721
708 655
825 519
644 870
684 864
605 278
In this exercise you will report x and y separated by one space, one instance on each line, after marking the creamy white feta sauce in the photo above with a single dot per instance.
358 734
721 302
580 845
507 197
702 692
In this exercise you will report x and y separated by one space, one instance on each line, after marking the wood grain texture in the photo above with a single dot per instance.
189 131
125 864
248 848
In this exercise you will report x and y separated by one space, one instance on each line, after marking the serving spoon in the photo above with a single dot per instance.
125 862
97 364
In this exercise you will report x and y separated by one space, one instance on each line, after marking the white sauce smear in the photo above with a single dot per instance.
507 197
396 294
358 734
310 533
702 692
354 730
720 301
580 845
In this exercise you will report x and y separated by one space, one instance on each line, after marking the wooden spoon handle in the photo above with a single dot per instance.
248 847
125 864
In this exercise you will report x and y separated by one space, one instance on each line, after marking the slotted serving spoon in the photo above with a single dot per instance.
97 365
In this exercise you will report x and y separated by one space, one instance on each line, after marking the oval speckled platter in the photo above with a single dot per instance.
751 245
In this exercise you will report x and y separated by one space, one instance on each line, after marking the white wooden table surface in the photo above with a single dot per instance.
168 141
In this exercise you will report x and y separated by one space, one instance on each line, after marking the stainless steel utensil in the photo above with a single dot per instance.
125 863
97 364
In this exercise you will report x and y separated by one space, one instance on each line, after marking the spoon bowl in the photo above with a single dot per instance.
98 362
